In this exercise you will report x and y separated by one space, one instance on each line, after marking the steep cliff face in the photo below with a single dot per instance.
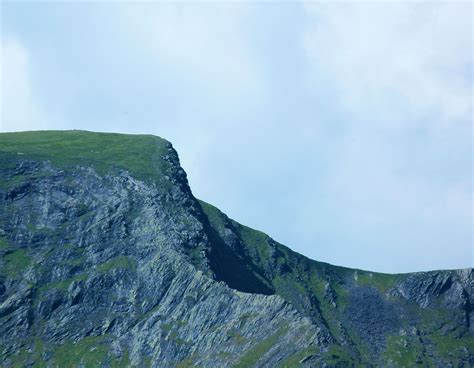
107 259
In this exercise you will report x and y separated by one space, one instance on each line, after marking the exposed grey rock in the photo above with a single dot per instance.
115 269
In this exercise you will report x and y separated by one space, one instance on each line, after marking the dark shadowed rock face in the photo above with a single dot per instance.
107 260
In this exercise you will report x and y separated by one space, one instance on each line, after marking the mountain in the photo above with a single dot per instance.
108 260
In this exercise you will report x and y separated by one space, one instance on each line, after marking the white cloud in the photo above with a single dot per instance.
204 43
373 174
403 76
387 56
18 108
372 181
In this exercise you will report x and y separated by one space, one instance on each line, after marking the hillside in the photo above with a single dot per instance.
108 260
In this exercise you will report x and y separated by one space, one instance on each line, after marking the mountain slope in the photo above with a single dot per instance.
107 259
378 318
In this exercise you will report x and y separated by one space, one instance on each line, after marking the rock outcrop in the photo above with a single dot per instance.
107 260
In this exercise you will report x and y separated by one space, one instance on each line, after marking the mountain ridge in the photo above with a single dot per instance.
85 210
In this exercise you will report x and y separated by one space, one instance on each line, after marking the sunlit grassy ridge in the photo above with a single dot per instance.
248 260
141 155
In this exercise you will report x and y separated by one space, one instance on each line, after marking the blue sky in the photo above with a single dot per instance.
343 130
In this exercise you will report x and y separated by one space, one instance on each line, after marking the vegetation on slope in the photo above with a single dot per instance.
358 307
141 155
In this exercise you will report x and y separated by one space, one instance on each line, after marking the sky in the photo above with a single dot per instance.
341 129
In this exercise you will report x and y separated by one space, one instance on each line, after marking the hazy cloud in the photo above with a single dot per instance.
387 55
19 110
402 73
343 130
206 43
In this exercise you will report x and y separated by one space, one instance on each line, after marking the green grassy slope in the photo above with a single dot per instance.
141 155
251 261
284 268
330 295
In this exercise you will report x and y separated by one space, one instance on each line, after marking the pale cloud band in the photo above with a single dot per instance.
342 129
18 106
420 53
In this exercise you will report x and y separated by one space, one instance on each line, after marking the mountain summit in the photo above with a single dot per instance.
108 260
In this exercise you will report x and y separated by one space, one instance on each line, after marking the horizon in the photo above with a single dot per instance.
295 119
223 210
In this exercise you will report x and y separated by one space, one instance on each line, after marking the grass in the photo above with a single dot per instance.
117 262
4 243
16 262
293 361
173 336
317 286
451 347
300 279
253 355
91 352
432 317
256 240
166 327
381 281
216 218
81 260
245 317
23 359
141 155
237 338
122 362
224 355
187 362
12 182
403 351
63 284
336 356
